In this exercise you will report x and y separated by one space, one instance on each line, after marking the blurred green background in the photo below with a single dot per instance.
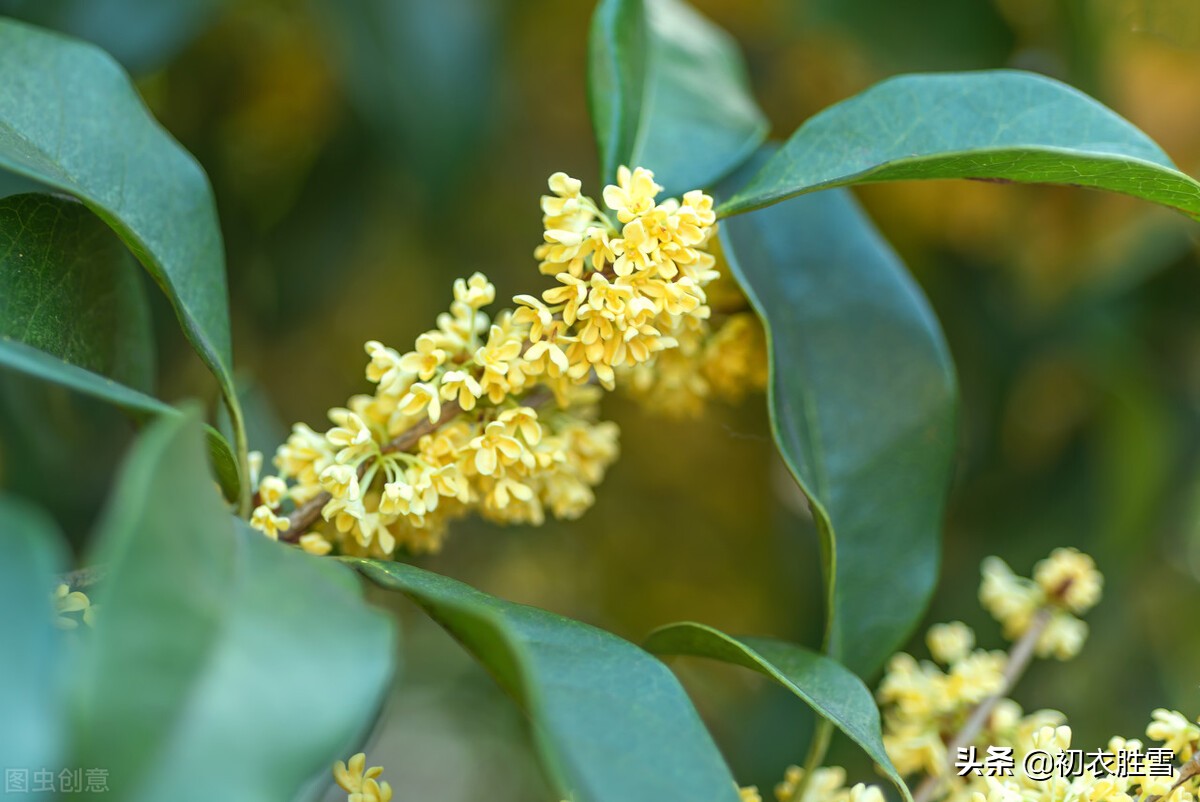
366 152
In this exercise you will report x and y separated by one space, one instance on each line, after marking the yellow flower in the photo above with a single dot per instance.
495 448
949 643
422 397
350 434
633 194
1175 731
384 368
267 522
425 361
272 490
476 292
1011 600
1063 637
461 385
546 356
360 784
1070 578
341 481
523 420
314 543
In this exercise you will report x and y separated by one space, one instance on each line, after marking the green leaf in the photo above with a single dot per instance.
611 723
71 119
19 356
221 659
668 91
69 287
863 405
31 690
617 45
828 687
1006 125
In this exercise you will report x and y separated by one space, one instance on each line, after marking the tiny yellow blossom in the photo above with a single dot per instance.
267 522
461 386
1176 732
1069 578
425 360
315 544
360 784
476 292
949 643
420 398
272 490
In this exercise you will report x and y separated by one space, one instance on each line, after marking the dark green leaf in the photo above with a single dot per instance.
617 45
1006 125
19 356
863 406
668 91
611 722
221 659
828 687
69 287
71 119
31 692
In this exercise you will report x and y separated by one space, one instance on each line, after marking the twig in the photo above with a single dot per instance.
1018 661
83 577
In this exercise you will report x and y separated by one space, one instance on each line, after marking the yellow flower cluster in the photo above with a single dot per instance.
499 414
722 357
925 703
827 784
360 783
926 706
1066 584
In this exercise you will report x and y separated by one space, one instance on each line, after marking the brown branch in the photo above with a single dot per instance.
1018 661
83 577
307 513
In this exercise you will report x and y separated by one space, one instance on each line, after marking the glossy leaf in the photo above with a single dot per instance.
1005 125
21 357
31 691
828 687
69 287
71 119
214 646
611 722
668 91
863 404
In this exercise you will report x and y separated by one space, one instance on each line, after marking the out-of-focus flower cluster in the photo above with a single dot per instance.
925 703
1066 584
499 414
67 602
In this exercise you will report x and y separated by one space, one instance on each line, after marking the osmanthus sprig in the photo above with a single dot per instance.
499 414
959 700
